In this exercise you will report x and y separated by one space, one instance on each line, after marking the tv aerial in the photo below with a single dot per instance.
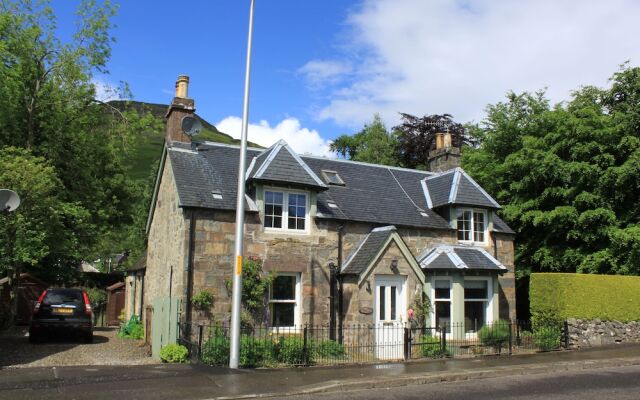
9 200
191 125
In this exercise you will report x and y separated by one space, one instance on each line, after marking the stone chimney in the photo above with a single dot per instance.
180 107
445 156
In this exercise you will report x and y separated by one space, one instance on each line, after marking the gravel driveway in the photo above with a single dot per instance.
106 349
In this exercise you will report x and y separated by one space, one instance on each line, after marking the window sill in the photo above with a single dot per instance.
285 231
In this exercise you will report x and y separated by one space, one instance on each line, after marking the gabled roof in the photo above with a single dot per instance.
280 163
368 252
372 193
455 187
459 258
361 257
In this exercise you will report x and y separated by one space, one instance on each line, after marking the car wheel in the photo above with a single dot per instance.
33 337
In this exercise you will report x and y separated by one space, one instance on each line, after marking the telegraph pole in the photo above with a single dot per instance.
234 355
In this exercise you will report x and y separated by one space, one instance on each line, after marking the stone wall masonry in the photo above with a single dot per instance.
505 253
308 254
594 333
167 243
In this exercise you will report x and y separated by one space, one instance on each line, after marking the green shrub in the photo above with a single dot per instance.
133 329
203 300
495 335
97 297
585 296
431 347
215 351
256 352
174 353
547 338
291 351
328 349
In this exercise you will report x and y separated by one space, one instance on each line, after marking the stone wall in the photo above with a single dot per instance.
308 254
167 255
593 333
505 253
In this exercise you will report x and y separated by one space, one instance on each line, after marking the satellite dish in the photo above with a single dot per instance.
9 200
191 125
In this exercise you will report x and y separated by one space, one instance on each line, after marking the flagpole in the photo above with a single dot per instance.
234 355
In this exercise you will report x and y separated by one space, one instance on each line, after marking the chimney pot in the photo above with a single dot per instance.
439 140
182 86
447 140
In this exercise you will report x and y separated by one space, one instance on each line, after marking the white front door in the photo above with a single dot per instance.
391 306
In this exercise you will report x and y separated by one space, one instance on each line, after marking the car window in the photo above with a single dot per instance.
63 297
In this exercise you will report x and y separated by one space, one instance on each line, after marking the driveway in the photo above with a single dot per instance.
106 349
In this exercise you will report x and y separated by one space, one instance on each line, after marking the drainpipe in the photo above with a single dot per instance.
189 287
339 276
495 245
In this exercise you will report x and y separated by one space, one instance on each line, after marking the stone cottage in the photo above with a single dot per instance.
348 242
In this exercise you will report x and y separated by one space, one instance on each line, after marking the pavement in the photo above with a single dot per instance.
165 381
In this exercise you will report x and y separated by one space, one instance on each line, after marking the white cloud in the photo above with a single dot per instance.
105 91
322 72
302 140
426 57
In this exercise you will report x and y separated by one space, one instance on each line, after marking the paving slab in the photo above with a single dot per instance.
204 382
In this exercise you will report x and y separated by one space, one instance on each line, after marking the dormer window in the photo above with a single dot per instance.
286 210
332 177
472 225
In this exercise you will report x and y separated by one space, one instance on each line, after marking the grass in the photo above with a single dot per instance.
145 154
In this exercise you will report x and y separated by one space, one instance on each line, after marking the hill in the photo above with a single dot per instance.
148 148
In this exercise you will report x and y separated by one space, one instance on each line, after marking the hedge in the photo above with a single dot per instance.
585 296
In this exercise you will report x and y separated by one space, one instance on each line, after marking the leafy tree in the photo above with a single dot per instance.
48 106
417 136
568 176
373 144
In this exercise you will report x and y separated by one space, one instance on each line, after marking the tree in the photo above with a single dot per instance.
373 144
48 107
568 176
417 136
44 229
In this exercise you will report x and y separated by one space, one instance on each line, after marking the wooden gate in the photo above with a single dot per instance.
115 303
164 325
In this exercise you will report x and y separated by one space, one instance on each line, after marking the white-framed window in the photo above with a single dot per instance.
442 301
472 225
286 210
284 300
477 303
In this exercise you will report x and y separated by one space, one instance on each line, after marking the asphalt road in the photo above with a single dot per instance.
622 383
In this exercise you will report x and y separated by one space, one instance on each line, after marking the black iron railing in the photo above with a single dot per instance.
265 346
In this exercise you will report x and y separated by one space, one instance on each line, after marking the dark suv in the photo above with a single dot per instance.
62 311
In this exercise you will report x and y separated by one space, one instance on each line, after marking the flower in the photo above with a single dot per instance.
410 313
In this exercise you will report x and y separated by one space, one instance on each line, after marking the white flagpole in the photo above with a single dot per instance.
234 355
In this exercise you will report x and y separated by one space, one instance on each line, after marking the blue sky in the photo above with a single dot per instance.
323 68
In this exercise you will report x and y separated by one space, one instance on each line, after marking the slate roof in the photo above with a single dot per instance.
372 193
279 164
459 257
456 187
362 256
500 226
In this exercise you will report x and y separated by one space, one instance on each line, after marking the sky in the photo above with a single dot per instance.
324 68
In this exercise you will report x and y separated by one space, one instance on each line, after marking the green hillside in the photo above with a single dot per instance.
147 147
